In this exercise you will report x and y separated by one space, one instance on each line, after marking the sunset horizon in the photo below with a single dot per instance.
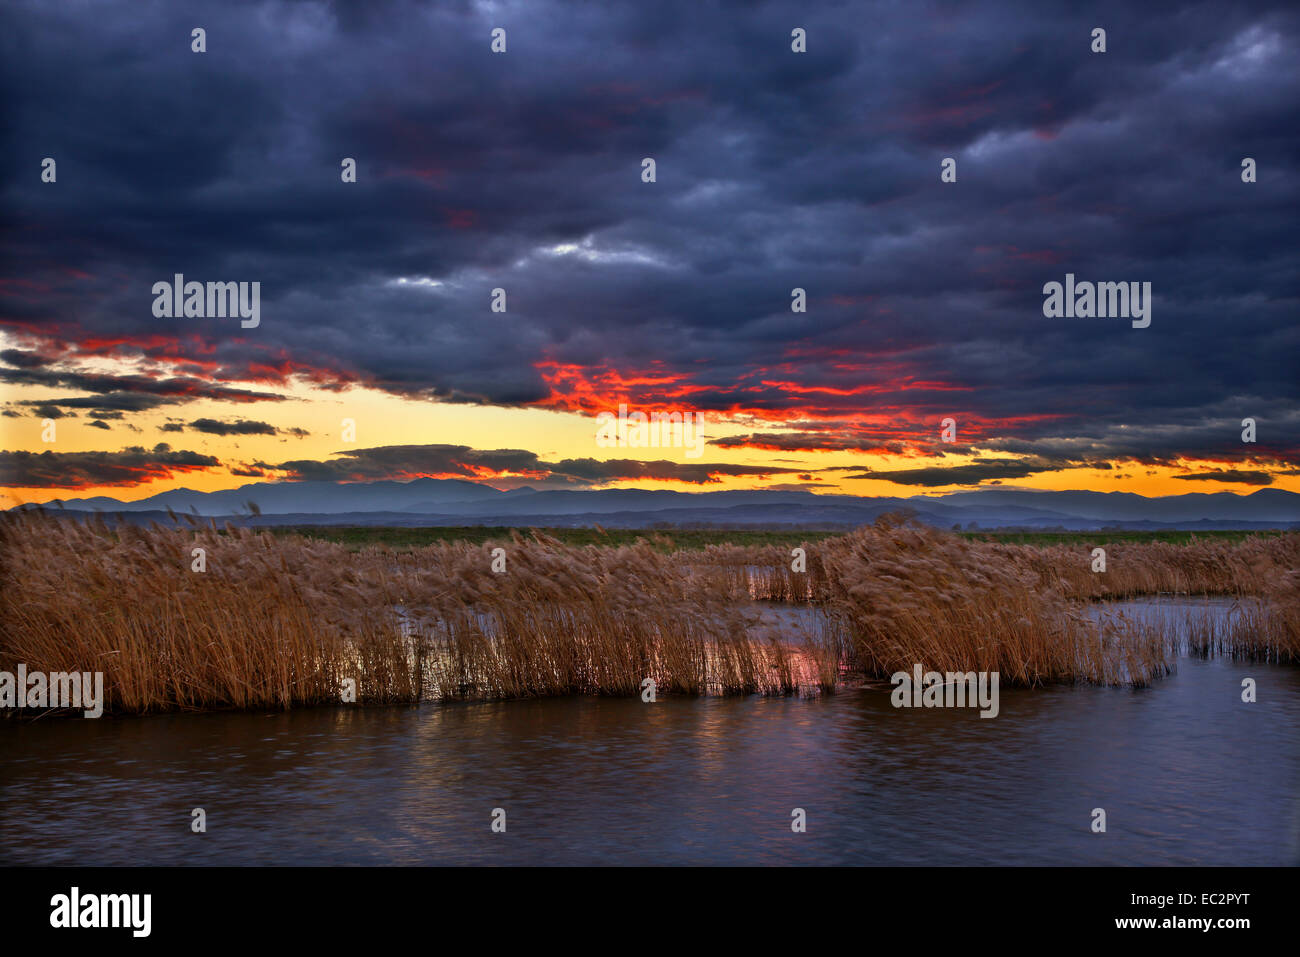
824 278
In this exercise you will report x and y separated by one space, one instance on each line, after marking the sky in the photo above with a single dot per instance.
378 354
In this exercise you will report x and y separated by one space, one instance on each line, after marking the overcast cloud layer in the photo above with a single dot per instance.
774 170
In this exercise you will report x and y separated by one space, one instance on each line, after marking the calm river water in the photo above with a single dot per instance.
1186 772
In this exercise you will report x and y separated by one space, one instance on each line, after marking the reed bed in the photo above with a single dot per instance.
1265 631
275 622
1205 567
283 621
1208 567
907 594
910 594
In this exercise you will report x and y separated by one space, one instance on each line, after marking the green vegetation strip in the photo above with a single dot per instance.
669 540
1116 536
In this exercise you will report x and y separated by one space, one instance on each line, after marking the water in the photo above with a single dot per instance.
1187 774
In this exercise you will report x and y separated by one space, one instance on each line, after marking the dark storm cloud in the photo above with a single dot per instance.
99 404
23 359
1214 432
972 474
238 427
1246 476
982 469
775 170
408 461
697 473
131 466
175 389
806 441
395 461
42 411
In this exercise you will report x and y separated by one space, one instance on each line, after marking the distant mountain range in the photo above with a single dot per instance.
457 502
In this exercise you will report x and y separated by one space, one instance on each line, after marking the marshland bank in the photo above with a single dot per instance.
202 617
1187 773
686 539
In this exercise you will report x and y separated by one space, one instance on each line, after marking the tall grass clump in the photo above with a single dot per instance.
587 620
279 622
1258 629
914 595
1203 567
259 627
847 576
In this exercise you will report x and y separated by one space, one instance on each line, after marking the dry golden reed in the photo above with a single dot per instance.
914 595
275 622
